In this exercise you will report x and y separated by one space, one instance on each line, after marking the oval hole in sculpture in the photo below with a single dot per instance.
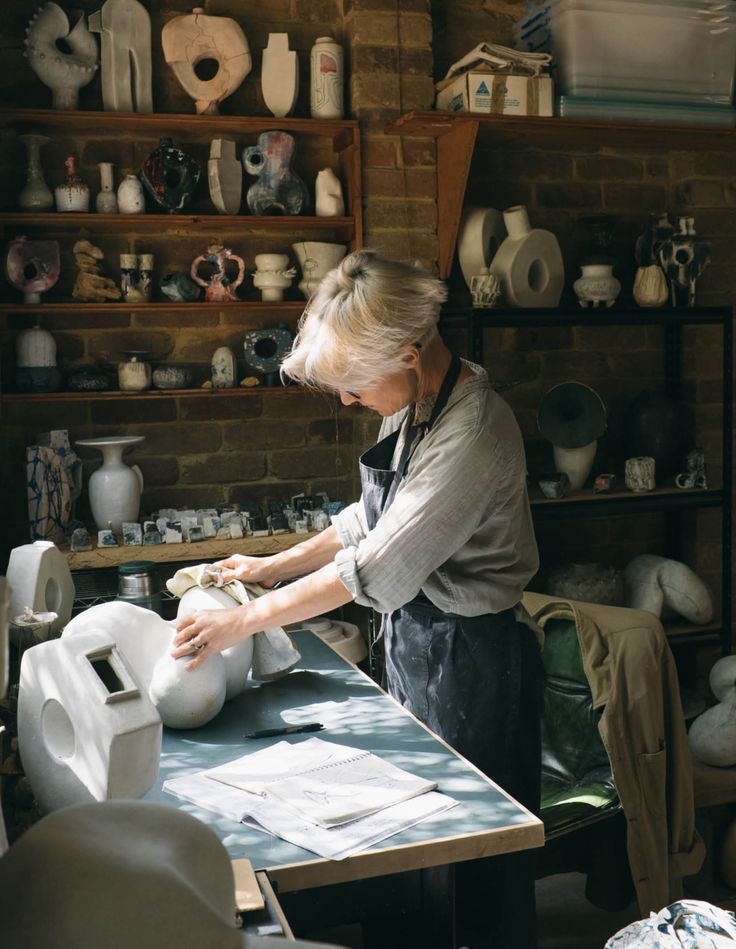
57 729
538 275
30 271
172 177
265 348
206 69
63 46
52 595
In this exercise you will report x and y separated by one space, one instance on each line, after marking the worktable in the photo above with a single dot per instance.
355 711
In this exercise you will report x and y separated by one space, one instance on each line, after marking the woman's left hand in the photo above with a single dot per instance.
206 632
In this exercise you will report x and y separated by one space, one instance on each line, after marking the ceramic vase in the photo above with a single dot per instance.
125 34
73 195
326 79
145 277
575 462
279 75
188 40
32 267
130 196
278 190
224 176
485 289
106 201
528 263
223 369
65 70
170 176
36 195
134 373
114 488
597 286
35 360
639 474
273 275
329 201
650 286
219 286
315 260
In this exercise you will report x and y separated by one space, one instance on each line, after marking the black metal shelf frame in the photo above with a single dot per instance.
476 320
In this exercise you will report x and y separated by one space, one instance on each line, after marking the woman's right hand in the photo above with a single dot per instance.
247 569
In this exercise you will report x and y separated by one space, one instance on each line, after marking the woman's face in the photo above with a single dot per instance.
388 396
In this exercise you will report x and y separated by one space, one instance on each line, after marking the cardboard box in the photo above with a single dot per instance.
497 93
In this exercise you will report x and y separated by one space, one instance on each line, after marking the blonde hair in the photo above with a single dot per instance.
361 318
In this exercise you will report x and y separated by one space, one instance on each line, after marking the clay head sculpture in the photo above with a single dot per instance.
64 73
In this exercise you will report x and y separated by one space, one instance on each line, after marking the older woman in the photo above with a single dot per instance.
440 543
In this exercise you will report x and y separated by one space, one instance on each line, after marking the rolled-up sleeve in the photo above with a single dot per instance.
448 492
350 524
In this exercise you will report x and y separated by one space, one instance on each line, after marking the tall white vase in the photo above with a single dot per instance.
326 79
106 201
316 259
575 462
528 263
115 488
279 75
36 195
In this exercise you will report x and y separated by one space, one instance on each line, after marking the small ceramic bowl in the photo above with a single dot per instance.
172 377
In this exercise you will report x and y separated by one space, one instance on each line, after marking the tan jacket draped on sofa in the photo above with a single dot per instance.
632 675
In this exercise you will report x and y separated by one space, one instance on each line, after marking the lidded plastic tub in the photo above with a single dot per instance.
651 50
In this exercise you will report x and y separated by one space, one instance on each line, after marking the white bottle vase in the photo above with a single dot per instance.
279 75
326 79
36 195
329 201
130 196
650 286
73 195
528 263
115 488
597 286
106 201
316 259
575 462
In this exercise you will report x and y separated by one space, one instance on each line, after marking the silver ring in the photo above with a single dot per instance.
196 646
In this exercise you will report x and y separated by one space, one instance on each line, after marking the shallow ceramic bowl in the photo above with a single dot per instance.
87 380
172 377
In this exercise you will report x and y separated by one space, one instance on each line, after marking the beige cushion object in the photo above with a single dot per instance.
664 586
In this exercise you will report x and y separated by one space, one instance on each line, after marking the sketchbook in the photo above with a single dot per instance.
322 782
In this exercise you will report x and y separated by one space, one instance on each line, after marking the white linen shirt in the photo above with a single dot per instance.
460 527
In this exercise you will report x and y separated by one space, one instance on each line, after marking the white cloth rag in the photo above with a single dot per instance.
274 654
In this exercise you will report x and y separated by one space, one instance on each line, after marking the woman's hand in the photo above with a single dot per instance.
246 569
206 632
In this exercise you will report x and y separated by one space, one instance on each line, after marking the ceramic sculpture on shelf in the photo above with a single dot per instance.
316 258
54 482
650 283
481 233
106 201
130 196
650 286
528 263
134 372
572 417
273 275
170 176
35 360
223 369
597 286
114 488
73 194
667 587
712 736
326 79
266 349
32 267
190 39
279 75
278 190
485 289
179 287
36 195
64 72
329 201
224 176
219 286
683 258
125 30
91 285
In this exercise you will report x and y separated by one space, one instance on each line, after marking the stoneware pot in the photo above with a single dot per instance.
224 176
597 286
73 195
226 273
114 488
130 196
273 275
589 582
223 369
576 463
329 201
134 373
36 369
172 377
170 176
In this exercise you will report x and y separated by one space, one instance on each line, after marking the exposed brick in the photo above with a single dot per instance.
174 321
76 321
699 193
311 462
299 404
375 30
205 437
158 471
129 411
572 365
315 11
262 433
224 467
375 59
369 90
416 61
635 197
570 195
629 338
421 182
545 338
35 417
69 347
218 407
608 168
631 365
379 153
265 491
370 6
701 163
332 431
656 169
415 30
384 213
384 182
417 92
531 163
183 496
418 151
157 344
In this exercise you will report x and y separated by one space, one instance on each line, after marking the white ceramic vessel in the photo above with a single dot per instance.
329 201
130 196
73 195
326 79
316 258
575 462
597 286
134 373
279 75
36 195
273 275
481 233
106 201
223 368
528 263
35 347
114 488
650 286
39 577
224 176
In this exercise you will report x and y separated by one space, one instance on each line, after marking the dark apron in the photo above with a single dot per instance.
477 682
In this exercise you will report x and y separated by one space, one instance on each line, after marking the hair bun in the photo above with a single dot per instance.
352 268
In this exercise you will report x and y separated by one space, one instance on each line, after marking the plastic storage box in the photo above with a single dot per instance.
662 113
651 50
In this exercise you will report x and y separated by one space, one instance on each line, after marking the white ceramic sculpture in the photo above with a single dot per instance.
329 201
223 368
114 488
273 275
712 735
86 728
224 176
597 286
640 474
575 462
106 201
35 347
485 289
345 638
130 196
481 233
279 75
64 73
722 677
188 40
664 586
125 30
36 195
528 263
316 258
39 577
326 79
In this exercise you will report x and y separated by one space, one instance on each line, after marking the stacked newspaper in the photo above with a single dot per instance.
328 798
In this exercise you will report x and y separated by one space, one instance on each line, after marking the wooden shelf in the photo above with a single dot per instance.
61 309
621 502
202 550
456 134
147 394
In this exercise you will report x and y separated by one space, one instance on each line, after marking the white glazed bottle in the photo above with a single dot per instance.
36 195
106 201
130 196
223 368
114 488
326 79
73 195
